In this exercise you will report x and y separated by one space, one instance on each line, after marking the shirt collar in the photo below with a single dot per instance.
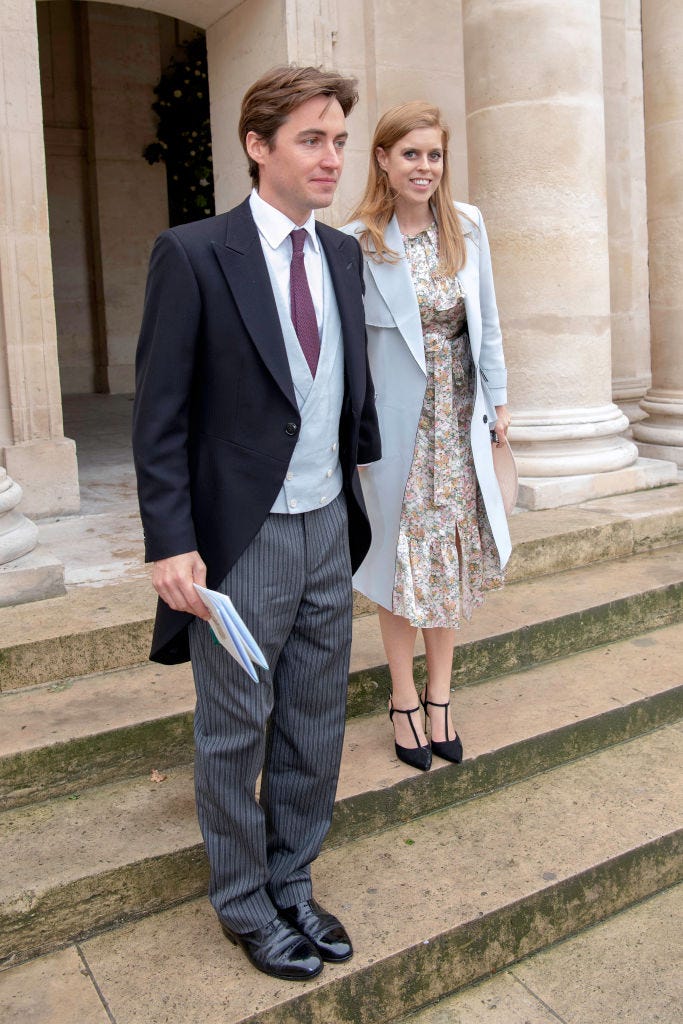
275 226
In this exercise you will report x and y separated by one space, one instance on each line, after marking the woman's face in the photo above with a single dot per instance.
414 165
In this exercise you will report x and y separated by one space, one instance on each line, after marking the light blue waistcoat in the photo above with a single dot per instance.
314 475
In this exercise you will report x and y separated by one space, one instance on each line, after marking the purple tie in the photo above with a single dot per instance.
303 313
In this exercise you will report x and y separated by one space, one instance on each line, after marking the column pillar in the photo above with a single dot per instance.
661 435
18 535
128 197
27 572
622 53
33 448
536 148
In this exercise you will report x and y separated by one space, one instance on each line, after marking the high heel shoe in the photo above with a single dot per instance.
417 757
449 750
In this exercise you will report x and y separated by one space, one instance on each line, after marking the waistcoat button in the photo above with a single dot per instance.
291 429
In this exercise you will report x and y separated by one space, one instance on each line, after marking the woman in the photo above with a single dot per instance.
440 536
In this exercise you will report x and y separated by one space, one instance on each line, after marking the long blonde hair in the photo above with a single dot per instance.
376 208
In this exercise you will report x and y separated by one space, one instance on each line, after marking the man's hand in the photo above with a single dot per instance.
173 580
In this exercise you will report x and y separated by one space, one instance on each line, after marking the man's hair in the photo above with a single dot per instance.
267 104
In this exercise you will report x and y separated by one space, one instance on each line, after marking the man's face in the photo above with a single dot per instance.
301 171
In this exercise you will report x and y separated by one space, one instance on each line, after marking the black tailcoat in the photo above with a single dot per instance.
215 419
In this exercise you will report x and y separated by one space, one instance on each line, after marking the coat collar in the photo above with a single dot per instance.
395 285
244 267
396 288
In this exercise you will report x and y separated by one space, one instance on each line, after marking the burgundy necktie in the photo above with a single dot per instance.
303 312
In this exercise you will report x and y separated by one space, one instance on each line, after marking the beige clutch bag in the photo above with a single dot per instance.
506 472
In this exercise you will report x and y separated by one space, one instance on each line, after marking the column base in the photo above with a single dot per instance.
555 491
672 453
33 577
48 474
660 436
627 394
571 442
632 412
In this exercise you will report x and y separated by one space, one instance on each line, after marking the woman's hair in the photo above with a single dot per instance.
267 104
376 208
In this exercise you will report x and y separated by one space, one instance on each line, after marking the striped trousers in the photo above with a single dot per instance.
292 586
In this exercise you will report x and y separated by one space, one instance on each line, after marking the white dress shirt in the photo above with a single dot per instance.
274 229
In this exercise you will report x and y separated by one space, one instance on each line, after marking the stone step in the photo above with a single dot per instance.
619 970
133 847
56 738
431 905
95 628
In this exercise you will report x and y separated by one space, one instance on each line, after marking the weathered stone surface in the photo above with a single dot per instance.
55 990
100 625
33 577
431 905
140 714
120 850
621 969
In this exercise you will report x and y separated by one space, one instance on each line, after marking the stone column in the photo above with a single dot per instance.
18 535
33 448
122 64
661 435
27 572
398 56
536 145
622 53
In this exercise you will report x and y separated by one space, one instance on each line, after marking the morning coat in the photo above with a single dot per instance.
215 419
397 364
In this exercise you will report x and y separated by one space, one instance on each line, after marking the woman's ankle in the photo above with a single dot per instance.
405 720
438 712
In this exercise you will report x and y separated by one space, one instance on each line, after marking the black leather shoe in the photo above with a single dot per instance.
279 950
327 934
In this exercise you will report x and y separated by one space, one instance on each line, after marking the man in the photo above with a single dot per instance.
254 404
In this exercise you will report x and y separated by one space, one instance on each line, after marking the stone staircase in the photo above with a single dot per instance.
569 699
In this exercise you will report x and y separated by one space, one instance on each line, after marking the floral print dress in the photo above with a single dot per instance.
446 556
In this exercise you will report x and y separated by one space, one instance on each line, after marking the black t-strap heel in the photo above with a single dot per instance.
417 757
449 750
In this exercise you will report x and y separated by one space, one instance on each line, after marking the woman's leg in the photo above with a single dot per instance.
398 637
439 645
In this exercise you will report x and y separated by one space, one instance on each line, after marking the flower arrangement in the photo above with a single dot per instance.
184 134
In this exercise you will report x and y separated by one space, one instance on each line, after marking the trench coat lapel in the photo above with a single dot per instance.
395 285
244 266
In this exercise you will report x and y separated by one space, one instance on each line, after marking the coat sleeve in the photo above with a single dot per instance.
161 413
491 358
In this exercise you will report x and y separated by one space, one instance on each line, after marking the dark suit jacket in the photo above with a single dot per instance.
215 418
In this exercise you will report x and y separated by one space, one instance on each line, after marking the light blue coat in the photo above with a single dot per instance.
397 363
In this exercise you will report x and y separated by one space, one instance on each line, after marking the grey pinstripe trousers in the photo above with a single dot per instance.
292 586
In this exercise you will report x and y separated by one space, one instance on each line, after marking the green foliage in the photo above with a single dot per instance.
184 134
